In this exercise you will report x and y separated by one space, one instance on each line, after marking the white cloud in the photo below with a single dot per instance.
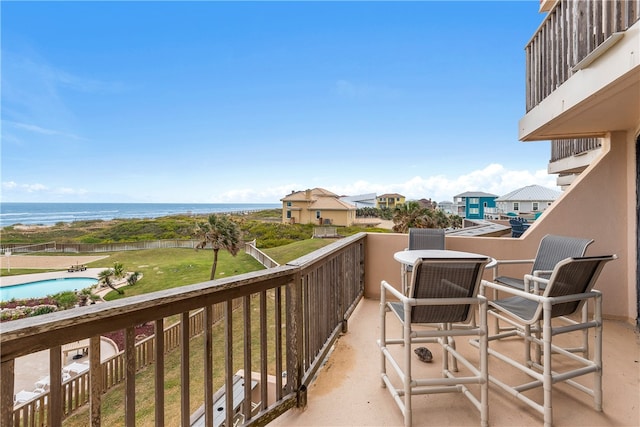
70 191
492 179
269 195
40 130
33 188
8 185
17 191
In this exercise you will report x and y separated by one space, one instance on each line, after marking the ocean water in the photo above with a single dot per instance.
52 213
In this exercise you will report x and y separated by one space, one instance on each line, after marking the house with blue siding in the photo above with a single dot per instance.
472 204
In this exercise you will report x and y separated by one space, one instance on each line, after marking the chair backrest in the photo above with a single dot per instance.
426 238
573 276
445 278
554 249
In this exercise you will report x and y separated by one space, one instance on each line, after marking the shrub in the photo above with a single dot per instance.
66 299
43 309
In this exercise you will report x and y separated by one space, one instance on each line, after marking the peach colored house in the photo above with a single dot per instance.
317 206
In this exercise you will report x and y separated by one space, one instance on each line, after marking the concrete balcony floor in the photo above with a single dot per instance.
347 390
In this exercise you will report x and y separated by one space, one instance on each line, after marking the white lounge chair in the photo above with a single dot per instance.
24 396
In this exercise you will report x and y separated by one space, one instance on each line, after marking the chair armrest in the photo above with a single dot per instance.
515 261
538 273
389 287
536 282
509 290
509 261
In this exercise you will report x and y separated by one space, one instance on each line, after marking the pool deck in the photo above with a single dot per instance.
33 367
47 262
26 278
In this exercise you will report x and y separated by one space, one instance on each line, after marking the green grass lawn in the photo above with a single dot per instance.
170 268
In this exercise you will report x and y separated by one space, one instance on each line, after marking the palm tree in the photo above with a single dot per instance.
456 221
133 278
105 277
407 216
221 233
118 270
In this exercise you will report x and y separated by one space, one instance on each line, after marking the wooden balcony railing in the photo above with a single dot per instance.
570 32
564 148
283 319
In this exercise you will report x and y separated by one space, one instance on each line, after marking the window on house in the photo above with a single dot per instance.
318 214
474 211
485 204
289 214
535 206
289 204
516 206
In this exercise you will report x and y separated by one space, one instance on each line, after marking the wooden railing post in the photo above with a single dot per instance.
6 391
55 374
184 370
95 380
130 377
295 332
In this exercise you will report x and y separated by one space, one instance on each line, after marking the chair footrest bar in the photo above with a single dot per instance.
515 393
447 381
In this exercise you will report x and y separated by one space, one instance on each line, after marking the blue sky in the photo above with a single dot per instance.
246 101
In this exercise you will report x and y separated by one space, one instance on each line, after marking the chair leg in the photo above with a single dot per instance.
537 346
452 343
597 354
407 363
527 345
484 365
383 335
496 324
547 379
585 333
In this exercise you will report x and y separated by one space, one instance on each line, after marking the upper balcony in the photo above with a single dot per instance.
570 157
583 71
280 324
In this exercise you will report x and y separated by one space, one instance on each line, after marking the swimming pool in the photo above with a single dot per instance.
42 288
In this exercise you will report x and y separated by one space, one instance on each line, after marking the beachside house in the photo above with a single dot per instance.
390 200
582 80
361 200
472 204
317 206
530 200
446 206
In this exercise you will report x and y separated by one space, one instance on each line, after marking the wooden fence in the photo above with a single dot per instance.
264 259
100 247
